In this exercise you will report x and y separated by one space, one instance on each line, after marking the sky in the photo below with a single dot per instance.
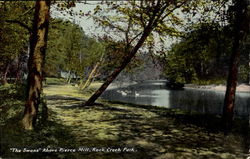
84 21
88 25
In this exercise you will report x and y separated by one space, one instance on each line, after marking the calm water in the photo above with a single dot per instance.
156 93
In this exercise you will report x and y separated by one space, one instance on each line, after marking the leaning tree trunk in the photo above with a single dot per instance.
116 72
92 74
241 26
156 17
38 43
90 77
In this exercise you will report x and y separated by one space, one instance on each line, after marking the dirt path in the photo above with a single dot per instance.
135 131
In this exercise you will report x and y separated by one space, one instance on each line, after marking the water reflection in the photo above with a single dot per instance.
156 93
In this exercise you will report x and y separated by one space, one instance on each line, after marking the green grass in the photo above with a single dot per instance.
49 134
55 81
152 131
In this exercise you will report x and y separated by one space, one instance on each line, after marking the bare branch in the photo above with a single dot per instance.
28 11
128 30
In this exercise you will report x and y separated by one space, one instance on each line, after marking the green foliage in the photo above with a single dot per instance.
244 73
14 36
244 67
126 20
63 46
202 54
69 49
92 52
11 104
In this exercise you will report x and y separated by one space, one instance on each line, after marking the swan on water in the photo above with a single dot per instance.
137 94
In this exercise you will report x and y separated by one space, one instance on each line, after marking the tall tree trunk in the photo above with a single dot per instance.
18 71
5 74
116 72
241 26
38 43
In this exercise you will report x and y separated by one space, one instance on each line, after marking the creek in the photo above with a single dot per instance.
157 94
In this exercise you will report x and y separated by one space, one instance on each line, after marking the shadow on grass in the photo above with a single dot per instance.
54 81
52 135
59 97
133 131
151 132
47 134
194 130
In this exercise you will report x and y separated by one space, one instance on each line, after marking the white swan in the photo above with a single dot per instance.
137 94
124 93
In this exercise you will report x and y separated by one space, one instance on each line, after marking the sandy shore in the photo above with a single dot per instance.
240 88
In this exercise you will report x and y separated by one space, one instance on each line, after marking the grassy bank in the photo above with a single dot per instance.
133 131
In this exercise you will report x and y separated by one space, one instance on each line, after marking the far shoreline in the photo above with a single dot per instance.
239 88
243 87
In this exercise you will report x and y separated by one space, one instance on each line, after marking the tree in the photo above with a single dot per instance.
114 55
14 30
147 16
241 25
202 54
90 60
38 42
72 52
93 53
65 42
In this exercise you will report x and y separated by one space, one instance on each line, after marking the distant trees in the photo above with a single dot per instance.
71 51
92 55
202 54
215 50
64 46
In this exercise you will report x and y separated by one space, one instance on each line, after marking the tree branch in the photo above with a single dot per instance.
28 11
21 24
170 11
135 37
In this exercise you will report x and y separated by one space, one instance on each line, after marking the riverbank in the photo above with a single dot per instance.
115 130
239 88
149 131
